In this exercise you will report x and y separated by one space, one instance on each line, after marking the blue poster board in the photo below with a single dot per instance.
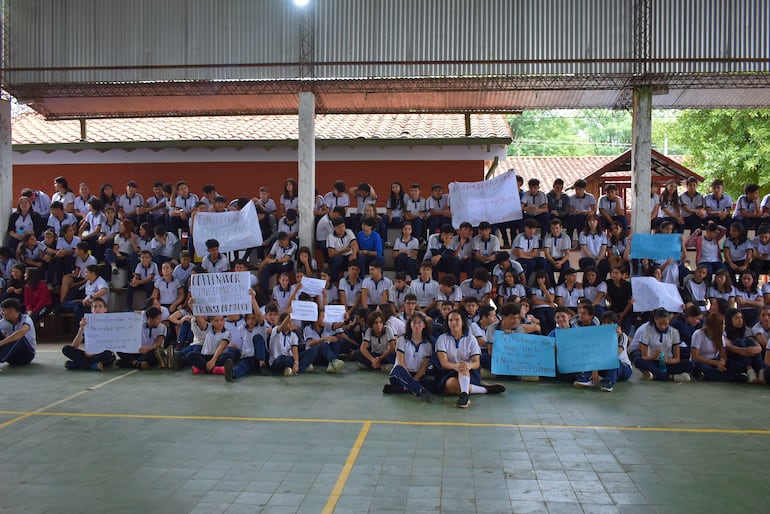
656 246
587 348
523 355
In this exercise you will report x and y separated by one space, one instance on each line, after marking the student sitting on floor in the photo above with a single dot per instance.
659 345
283 349
378 346
153 335
459 356
216 347
19 342
78 358
413 353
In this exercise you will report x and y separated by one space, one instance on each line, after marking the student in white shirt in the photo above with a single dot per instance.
413 353
78 358
18 341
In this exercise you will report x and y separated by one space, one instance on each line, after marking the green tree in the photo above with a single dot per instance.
733 145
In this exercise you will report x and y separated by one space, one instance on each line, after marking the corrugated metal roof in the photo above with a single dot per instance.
32 128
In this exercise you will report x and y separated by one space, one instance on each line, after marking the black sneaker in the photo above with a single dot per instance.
176 361
122 363
229 370
388 389
264 371
741 377
464 401
426 395
495 388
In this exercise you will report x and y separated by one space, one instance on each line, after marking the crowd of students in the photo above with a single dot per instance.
431 327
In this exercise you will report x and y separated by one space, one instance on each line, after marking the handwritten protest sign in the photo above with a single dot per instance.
523 355
334 313
587 348
220 294
304 311
313 286
235 230
116 331
649 294
656 246
496 200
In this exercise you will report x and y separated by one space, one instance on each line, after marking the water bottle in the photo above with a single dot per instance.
662 363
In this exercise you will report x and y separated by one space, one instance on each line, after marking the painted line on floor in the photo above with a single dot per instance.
523 426
39 411
342 479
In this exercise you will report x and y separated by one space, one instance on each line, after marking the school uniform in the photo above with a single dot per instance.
396 210
713 292
21 351
339 263
396 296
56 224
168 290
66 198
435 221
458 350
322 353
587 202
81 204
352 290
722 204
708 349
710 255
594 243
499 272
289 203
655 340
184 205
278 252
81 360
543 312
698 292
280 351
181 274
290 228
592 292
414 356
252 351
164 252
323 229
485 248
143 273
454 295
691 221
269 205
332 200
468 290
528 244
449 262
129 204
538 200
404 263
418 208
425 292
41 204
739 252
505 291
375 290
760 265
465 254
158 216
746 206
221 265
558 247
210 345
750 314
149 336
610 377
569 297
378 346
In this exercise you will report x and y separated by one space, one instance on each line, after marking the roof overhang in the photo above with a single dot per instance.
489 94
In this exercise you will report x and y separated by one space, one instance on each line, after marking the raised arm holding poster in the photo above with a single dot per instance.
523 355
220 294
304 311
235 230
115 331
496 200
649 294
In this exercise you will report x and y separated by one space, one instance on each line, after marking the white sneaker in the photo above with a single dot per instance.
288 372
682 377
335 366
647 375
309 368
387 367
752 376
583 383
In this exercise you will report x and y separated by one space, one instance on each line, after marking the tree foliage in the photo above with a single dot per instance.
733 145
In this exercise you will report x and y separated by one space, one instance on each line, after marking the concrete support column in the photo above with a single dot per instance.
641 162
306 156
6 166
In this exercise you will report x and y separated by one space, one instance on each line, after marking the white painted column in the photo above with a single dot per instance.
306 156
6 165
641 163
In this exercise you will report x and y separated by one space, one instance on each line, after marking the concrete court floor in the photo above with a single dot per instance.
159 441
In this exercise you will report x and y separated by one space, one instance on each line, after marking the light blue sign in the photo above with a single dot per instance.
523 355
586 349
656 246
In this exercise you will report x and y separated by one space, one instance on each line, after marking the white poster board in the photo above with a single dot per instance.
334 313
496 200
304 311
220 294
312 286
235 230
115 331
649 294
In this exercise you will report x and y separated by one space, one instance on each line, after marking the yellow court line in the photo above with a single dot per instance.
346 469
536 426
38 412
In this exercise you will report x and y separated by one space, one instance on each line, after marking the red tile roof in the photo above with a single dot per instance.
569 168
32 128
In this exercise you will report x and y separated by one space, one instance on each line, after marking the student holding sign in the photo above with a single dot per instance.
78 358
319 338
459 356
153 335
283 349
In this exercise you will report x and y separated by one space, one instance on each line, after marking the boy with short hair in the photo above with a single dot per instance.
18 342
582 204
557 245
485 245
534 206
478 286
439 211
215 261
425 288
415 210
375 287
398 292
526 249
153 335
144 278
